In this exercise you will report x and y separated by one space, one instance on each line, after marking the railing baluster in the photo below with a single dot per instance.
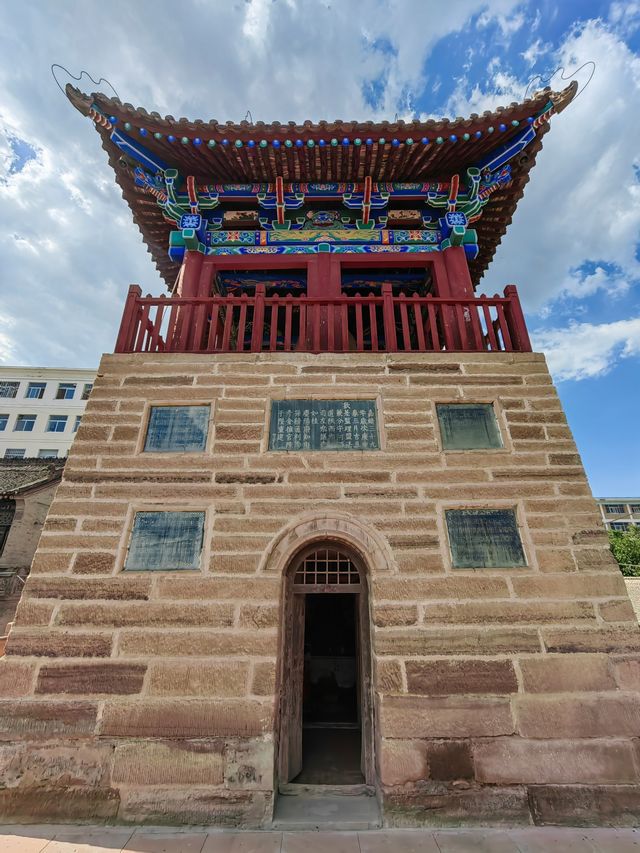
373 325
504 328
417 316
404 319
257 333
462 327
389 319
344 326
446 312
474 323
288 307
331 329
273 331
155 335
139 344
213 337
228 320
242 323
359 336
433 325
491 335
302 335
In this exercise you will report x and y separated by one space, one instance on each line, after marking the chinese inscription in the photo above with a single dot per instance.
323 425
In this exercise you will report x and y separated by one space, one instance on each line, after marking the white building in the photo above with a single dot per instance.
40 409
619 513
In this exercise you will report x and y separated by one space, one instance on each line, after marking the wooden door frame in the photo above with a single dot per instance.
365 670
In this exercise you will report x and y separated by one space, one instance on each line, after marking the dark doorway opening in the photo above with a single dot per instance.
331 729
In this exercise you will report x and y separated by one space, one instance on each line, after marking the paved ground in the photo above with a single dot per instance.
94 839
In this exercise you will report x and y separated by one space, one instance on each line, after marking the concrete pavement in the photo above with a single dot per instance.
101 839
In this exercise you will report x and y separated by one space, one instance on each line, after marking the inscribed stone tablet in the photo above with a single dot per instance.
323 425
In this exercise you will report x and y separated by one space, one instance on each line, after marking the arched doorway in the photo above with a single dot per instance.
326 707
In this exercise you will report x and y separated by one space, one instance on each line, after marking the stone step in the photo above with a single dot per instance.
330 811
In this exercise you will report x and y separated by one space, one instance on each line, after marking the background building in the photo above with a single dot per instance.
27 487
40 410
619 513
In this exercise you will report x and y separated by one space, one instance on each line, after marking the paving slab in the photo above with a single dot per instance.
398 841
145 841
320 842
24 840
616 840
475 841
89 839
326 812
549 839
243 842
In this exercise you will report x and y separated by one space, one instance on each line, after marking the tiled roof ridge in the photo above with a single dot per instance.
83 101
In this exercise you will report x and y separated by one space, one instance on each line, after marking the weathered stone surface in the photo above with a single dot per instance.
585 805
505 761
429 589
90 678
437 804
93 563
146 615
447 677
402 761
56 802
427 717
566 673
388 677
569 586
263 681
627 673
59 644
607 639
195 805
259 616
216 589
464 641
130 587
385 615
186 718
33 613
594 715
200 678
449 760
16 678
249 763
196 643
36 718
31 764
493 612
169 763
617 611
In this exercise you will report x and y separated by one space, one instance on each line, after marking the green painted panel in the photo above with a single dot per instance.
468 426
323 425
484 538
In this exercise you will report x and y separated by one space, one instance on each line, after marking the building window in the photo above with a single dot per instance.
14 453
4 420
86 390
76 423
66 390
179 429
619 525
484 538
165 541
323 425
47 454
468 426
7 511
24 423
35 390
57 423
614 509
9 389
633 508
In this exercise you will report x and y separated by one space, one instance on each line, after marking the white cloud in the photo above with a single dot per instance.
585 350
535 50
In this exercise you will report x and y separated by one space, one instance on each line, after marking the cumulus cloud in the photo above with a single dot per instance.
585 350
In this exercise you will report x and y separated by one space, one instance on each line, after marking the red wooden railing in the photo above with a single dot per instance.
260 323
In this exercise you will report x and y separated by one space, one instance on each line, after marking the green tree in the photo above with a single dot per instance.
625 545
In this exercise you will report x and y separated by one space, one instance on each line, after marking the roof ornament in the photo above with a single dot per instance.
79 78
546 81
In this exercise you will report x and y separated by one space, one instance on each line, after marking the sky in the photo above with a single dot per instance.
69 248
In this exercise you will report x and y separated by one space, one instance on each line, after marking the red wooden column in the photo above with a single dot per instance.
191 273
460 287
126 333
323 281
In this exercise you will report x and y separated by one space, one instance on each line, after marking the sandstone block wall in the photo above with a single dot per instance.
499 694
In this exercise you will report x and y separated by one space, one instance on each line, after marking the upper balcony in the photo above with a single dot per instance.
386 304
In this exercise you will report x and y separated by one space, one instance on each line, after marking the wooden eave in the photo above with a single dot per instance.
229 164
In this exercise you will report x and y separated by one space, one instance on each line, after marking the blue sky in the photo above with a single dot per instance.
69 248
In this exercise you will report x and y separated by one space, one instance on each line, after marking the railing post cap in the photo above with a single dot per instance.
135 289
510 288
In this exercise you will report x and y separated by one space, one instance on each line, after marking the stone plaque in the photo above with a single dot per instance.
323 425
